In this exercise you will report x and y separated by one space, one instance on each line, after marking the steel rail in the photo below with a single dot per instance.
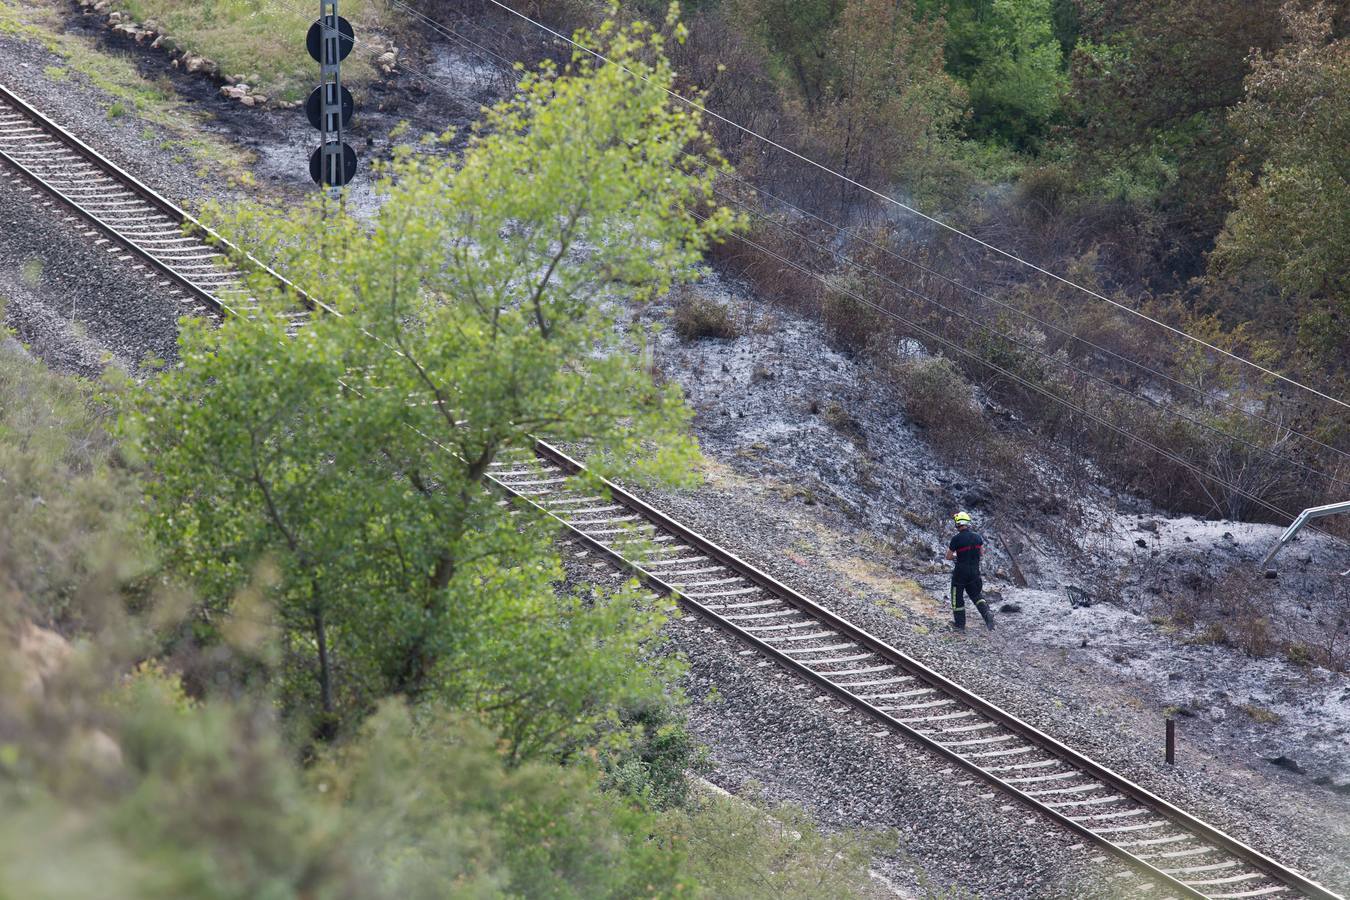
47 168
666 528
653 578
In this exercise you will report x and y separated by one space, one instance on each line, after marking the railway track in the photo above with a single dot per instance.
1183 855
124 217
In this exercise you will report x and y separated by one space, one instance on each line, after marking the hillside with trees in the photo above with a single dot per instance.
1183 160
268 635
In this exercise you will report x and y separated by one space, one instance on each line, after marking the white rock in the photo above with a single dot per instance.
42 653
96 750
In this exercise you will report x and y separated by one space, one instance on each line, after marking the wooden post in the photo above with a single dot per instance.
1170 753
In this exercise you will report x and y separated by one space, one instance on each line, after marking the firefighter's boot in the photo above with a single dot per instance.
986 613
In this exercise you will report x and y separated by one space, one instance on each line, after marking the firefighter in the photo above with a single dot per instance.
966 548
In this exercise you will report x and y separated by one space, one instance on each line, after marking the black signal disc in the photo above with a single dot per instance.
314 107
314 40
348 166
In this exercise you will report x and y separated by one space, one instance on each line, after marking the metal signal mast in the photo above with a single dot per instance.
330 106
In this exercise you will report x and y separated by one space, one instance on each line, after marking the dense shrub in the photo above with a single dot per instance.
939 399
697 316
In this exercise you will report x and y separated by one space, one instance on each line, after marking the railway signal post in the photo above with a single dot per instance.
330 106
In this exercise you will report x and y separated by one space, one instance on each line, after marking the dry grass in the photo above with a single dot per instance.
697 317
45 22
1262 716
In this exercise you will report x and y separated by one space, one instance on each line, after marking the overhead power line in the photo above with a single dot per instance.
1200 473
838 256
886 198
1051 395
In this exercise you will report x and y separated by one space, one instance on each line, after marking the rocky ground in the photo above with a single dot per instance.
816 473
851 511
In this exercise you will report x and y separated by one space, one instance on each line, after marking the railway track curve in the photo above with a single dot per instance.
1185 856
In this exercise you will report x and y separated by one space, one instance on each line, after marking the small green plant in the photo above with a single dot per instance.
1262 716
1214 633
31 273
117 110
1299 654
56 73
797 492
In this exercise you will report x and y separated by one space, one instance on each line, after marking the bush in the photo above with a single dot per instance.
939 399
699 317
1213 633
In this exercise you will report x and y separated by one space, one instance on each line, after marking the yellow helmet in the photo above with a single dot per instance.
961 518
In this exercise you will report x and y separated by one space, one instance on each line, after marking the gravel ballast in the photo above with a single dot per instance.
760 725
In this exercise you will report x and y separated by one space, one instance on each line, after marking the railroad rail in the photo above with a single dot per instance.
1184 855
189 263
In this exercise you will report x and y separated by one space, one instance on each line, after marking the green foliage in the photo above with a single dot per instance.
1288 225
865 80
117 781
653 768
887 98
466 319
135 793
1153 82
778 854
794 32
65 503
463 824
1009 55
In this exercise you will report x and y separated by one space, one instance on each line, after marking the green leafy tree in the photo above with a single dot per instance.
1152 84
887 103
480 307
1010 55
1290 226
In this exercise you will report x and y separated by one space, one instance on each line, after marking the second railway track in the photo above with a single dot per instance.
1184 855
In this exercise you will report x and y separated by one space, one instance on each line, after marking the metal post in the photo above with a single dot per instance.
1312 512
1170 753
330 79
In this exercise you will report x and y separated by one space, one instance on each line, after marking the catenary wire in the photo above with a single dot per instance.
934 336
840 257
1186 464
1162 407
886 198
